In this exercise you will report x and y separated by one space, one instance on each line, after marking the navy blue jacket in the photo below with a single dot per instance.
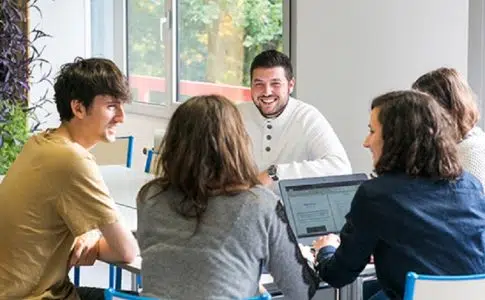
409 224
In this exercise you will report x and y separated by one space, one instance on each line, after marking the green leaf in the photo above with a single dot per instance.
14 133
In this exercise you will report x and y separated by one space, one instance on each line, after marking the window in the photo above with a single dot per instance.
209 52
146 51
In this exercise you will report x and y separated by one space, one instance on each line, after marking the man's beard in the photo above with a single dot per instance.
276 113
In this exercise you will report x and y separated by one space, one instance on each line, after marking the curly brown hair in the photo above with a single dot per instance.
418 136
204 153
452 91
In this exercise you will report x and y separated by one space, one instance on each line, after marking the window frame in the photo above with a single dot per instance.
476 57
120 54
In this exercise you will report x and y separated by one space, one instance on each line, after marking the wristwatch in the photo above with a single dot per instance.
272 170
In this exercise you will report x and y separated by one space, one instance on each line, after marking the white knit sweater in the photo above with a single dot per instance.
472 153
300 141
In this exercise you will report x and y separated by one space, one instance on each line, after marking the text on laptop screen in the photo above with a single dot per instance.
319 209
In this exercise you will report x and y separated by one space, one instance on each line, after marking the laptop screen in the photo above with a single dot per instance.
317 206
319 209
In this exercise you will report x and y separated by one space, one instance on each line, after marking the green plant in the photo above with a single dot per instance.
15 134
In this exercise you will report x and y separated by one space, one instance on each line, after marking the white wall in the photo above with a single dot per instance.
348 52
66 22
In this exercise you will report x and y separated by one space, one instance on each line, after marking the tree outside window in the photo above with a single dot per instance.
217 41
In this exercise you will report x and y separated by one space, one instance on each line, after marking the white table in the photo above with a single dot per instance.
128 217
124 184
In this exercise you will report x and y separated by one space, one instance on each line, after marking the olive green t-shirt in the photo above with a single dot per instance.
52 193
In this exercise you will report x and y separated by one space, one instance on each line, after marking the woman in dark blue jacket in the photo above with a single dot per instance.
421 213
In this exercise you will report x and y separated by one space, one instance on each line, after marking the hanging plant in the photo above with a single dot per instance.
18 57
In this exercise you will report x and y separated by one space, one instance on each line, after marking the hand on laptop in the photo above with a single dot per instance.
326 240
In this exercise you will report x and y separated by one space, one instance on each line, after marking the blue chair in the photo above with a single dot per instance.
263 296
429 287
120 152
149 164
111 294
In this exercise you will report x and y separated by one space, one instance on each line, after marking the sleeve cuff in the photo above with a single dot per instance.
325 253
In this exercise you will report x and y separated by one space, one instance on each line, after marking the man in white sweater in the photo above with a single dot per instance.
291 139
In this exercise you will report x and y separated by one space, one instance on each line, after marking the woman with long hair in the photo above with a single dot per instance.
454 94
421 213
206 227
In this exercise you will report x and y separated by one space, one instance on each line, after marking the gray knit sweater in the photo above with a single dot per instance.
472 153
223 260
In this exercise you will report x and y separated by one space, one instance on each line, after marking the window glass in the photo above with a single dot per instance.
217 41
146 51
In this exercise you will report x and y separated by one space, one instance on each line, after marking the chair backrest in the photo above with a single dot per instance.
263 296
111 294
119 152
151 162
429 287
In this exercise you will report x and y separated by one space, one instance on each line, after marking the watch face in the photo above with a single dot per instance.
272 173
272 170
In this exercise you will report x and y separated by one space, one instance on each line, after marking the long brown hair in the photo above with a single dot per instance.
418 136
204 153
452 91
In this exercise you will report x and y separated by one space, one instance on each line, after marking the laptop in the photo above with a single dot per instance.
317 206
